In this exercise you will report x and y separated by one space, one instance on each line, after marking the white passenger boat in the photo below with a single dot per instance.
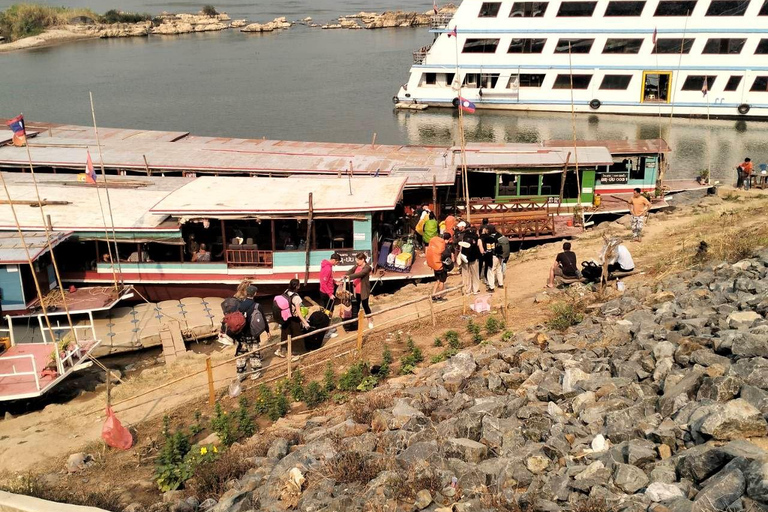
653 57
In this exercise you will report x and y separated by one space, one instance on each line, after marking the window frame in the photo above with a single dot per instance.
585 3
529 81
735 87
665 3
529 42
495 15
477 40
563 81
572 41
635 40
626 86
607 14
721 39
762 47
698 86
757 79
744 5
676 50
532 6
764 9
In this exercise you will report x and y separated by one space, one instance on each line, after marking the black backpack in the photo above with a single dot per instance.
591 271
258 323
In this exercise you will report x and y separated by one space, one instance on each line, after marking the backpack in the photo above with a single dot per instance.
230 305
447 263
591 271
282 309
258 324
502 248
234 322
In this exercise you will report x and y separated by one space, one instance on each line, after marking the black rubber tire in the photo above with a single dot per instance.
394 99
595 104
743 109
455 102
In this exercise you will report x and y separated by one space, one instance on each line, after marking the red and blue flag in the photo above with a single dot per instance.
454 33
466 106
90 174
19 130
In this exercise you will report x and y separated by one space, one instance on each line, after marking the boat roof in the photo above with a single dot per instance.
136 150
12 249
209 196
81 206
497 157
618 147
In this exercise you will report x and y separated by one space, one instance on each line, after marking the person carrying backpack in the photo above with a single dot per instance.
256 324
436 260
286 311
360 275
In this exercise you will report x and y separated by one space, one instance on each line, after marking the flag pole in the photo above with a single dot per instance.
462 139
573 130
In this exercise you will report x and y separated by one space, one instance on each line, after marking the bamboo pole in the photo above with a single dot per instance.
146 165
506 306
307 243
432 312
211 389
360 328
289 356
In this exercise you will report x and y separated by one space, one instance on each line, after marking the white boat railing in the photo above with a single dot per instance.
420 55
440 20
18 374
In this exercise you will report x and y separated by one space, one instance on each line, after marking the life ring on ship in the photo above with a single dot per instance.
455 102
595 104
394 99
743 109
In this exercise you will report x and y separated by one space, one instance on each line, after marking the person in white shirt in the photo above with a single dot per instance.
619 259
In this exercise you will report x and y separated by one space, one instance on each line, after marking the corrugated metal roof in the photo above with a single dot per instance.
12 249
130 206
538 157
208 196
618 147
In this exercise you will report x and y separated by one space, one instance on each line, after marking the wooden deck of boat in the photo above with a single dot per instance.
24 385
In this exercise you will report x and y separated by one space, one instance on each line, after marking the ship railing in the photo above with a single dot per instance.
420 55
19 374
440 20
249 258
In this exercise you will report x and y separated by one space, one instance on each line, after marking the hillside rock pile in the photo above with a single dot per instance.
657 402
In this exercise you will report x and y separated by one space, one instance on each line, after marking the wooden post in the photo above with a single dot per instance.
308 244
349 177
211 390
373 142
562 181
289 355
463 301
506 306
360 327
109 389
434 196
432 311
146 165
274 237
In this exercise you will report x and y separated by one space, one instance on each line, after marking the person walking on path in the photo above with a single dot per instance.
744 172
491 261
327 282
440 259
360 275
292 326
469 256
638 208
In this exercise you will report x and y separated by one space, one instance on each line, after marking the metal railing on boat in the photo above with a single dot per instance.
440 20
249 258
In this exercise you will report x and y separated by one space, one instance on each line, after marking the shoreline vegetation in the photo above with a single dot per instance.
25 26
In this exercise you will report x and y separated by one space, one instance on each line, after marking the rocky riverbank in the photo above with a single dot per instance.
655 402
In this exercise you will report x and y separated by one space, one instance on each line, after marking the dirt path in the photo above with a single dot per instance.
31 440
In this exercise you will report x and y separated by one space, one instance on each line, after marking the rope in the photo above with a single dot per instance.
106 235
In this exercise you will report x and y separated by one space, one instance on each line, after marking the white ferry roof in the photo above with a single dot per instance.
618 147
210 196
537 157
81 211
12 249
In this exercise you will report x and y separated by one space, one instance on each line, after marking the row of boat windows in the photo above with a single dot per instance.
583 81
620 8
713 46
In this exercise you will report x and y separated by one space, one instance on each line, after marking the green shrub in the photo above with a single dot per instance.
279 407
452 337
197 426
413 357
368 383
565 315
212 474
439 358
315 394
329 378
264 397
493 325
507 336
222 423
296 386
245 425
339 398
475 331
352 378
386 363
115 16
172 468
24 20
210 10
438 342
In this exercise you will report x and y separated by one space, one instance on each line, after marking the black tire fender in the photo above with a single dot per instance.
743 109
595 104
394 99
455 102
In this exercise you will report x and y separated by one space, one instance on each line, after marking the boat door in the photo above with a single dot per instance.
657 86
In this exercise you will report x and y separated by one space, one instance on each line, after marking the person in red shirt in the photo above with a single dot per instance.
744 173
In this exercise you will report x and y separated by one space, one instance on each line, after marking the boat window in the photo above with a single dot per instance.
430 78
733 83
484 80
550 184
624 8
489 9
636 168
672 45
727 8
760 84
616 82
526 46
675 8
576 9
579 81
656 86
480 46
574 45
762 47
528 9
764 9
732 46
449 78
696 83
529 184
333 234
622 46
531 80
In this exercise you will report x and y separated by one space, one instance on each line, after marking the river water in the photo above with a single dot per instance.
306 84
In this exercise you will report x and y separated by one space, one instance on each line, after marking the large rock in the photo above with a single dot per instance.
719 389
629 479
458 370
736 419
465 449
679 394
752 371
756 474
742 319
720 491
750 345
658 491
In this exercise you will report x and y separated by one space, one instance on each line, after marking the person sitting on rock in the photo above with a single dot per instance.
564 266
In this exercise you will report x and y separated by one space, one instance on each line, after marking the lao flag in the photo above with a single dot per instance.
454 33
653 37
19 131
466 106
704 88
90 174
